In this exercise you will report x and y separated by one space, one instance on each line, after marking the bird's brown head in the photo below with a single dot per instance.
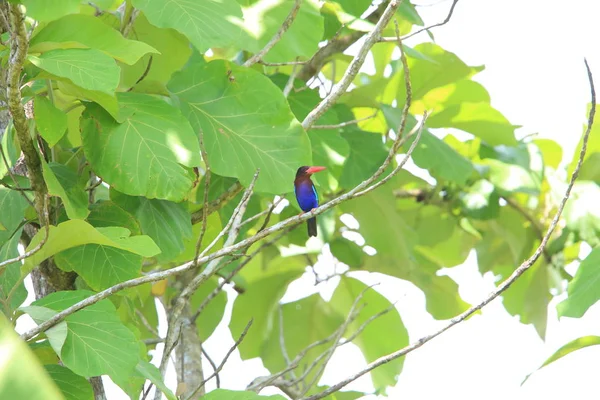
307 171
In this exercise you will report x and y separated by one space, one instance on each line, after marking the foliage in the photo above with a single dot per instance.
126 98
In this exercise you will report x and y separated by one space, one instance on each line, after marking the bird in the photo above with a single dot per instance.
306 194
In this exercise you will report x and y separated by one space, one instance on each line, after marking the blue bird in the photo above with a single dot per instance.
306 194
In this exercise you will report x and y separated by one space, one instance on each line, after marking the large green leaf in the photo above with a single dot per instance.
480 201
480 119
72 386
584 289
246 121
167 223
223 394
305 322
49 120
262 20
89 68
48 10
66 184
21 375
174 52
367 153
62 238
107 213
514 169
86 31
97 342
371 341
259 302
150 154
100 266
107 101
208 320
210 23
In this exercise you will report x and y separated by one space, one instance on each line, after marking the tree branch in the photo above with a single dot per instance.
355 65
277 37
427 28
502 287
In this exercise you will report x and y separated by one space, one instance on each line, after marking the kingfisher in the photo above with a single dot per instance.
306 194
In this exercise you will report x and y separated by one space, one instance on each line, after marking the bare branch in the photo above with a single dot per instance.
213 365
207 176
277 37
18 52
281 64
503 286
343 124
355 65
220 367
427 28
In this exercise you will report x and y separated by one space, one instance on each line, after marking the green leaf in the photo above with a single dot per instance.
64 183
514 169
305 322
49 10
208 320
62 238
573 345
584 289
85 31
57 334
13 207
480 201
89 68
107 101
223 394
262 22
371 342
581 214
100 266
11 275
167 223
150 154
97 342
72 386
150 372
480 119
552 154
20 368
432 153
107 213
246 121
367 153
212 23
174 50
259 302
347 252
49 120
10 148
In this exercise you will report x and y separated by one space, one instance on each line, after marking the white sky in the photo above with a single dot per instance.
533 52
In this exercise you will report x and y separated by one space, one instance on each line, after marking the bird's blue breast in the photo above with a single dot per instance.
307 196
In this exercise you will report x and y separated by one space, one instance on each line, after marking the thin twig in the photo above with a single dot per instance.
144 74
284 352
503 286
213 365
220 367
277 37
355 65
290 83
427 28
207 176
343 124
281 64
264 212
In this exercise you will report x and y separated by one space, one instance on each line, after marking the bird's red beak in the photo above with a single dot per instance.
313 170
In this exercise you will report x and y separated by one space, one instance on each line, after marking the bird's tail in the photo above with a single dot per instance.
312 226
